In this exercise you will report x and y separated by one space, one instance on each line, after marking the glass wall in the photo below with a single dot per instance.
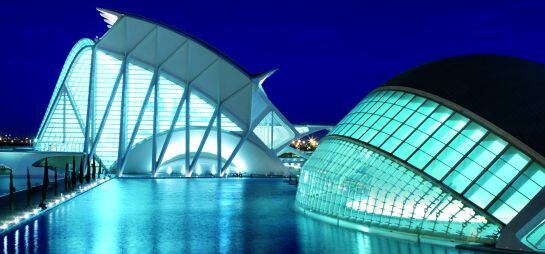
273 132
461 153
346 180
444 145
66 127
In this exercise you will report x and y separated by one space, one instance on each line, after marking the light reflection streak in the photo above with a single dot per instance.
27 235
16 241
35 233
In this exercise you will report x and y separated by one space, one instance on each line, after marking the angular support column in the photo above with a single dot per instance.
187 132
90 115
218 142
124 111
155 124
108 107
171 129
137 124
203 141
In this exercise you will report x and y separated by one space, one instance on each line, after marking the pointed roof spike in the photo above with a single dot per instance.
261 77
110 17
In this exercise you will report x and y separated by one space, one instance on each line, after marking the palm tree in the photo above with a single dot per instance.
73 178
94 169
11 191
56 184
66 178
88 172
45 184
99 168
80 176
28 188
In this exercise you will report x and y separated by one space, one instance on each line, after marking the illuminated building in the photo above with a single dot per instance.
451 150
147 98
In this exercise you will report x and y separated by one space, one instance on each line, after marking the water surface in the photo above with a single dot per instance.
194 216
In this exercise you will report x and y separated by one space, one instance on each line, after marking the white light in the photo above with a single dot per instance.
198 170
4 226
169 170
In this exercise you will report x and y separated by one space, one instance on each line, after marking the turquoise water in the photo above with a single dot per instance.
194 216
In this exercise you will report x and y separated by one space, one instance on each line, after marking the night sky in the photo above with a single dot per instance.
330 54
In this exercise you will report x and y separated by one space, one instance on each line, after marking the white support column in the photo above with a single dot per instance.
218 132
203 141
124 110
108 107
187 132
171 129
77 114
137 125
155 125
272 130
64 118
90 114
234 153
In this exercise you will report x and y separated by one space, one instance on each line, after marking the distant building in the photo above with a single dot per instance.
449 150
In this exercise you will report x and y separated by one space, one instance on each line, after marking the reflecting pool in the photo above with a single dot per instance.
234 215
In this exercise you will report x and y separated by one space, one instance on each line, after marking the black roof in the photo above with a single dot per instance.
507 91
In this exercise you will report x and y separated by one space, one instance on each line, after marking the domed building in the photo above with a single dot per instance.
450 150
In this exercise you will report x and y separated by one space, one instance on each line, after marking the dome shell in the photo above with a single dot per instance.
507 91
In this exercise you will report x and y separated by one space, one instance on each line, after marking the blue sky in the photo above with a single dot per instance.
330 54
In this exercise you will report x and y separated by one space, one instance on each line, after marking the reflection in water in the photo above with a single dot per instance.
16 241
194 215
27 243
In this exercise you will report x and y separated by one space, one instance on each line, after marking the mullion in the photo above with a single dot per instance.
402 123
485 169
429 137
415 128
465 155
380 117
508 185
434 158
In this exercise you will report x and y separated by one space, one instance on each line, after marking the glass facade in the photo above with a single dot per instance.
455 152
273 132
349 181
64 126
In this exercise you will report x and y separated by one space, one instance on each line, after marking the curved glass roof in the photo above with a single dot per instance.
345 179
447 155
463 155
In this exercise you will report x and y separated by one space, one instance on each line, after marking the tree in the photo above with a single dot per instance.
88 173
80 176
56 184
45 184
94 169
74 178
11 191
99 168
28 188
66 178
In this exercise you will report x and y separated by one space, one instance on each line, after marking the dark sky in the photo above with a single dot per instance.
329 53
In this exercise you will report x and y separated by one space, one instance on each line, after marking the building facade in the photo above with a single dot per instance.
147 98
449 150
